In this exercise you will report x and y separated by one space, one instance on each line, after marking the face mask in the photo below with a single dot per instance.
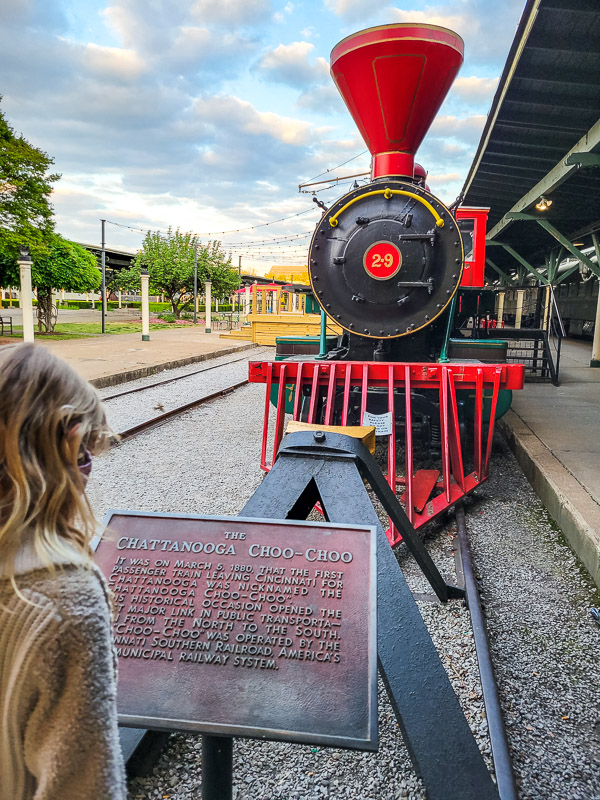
85 465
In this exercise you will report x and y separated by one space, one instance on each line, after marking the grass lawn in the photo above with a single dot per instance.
83 330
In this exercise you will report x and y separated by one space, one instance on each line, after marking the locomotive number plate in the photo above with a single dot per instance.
244 627
382 260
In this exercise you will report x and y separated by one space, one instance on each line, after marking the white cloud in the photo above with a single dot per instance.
487 28
113 62
355 9
290 64
475 90
232 113
232 13
322 100
143 26
467 129
463 24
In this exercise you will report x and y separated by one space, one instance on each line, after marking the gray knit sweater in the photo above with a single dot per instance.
58 716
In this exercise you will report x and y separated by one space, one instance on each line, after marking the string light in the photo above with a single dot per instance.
215 233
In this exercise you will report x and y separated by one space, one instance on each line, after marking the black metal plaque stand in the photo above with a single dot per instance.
329 468
217 767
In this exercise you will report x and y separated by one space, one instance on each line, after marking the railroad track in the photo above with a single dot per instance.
505 778
170 380
125 413
154 422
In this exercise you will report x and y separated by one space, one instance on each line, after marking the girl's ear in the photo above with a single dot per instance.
73 440
74 429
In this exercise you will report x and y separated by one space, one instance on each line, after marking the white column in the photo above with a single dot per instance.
208 302
26 294
216 305
247 301
595 362
120 296
145 306
500 313
546 321
519 314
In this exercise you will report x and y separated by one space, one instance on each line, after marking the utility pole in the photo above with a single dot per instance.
103 221
195 281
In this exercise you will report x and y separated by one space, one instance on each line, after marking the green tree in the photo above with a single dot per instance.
26 216
217 269
170 263
64 265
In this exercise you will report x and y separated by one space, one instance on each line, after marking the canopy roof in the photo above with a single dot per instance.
542 137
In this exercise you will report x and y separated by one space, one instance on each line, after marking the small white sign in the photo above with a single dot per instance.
382 422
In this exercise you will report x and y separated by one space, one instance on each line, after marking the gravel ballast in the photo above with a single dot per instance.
544 642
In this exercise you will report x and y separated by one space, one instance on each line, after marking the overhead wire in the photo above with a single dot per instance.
343 164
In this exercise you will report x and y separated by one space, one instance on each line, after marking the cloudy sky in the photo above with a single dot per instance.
207 114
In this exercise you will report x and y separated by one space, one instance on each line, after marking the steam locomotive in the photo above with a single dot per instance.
387 259
387 264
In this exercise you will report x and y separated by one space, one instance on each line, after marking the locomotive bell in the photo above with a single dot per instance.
387 258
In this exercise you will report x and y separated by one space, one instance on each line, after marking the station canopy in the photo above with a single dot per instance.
537 165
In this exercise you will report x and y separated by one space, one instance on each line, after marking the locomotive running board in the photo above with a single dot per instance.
329 468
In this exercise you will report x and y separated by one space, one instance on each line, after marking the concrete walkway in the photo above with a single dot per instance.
81 315
115 358
555 434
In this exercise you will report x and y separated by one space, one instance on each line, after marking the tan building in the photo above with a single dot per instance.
289 274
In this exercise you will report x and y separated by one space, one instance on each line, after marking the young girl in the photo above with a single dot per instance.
58 717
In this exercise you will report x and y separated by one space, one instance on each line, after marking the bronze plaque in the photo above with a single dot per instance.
245 627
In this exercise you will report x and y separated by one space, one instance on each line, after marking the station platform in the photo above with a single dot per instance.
555 435
116 358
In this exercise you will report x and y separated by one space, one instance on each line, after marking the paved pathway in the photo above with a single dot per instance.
555 432
113 358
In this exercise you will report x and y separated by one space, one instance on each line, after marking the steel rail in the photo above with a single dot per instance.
505 777
171 380
129 433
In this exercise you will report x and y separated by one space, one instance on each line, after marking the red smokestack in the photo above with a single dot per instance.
393 79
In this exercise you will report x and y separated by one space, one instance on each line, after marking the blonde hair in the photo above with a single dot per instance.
49 416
